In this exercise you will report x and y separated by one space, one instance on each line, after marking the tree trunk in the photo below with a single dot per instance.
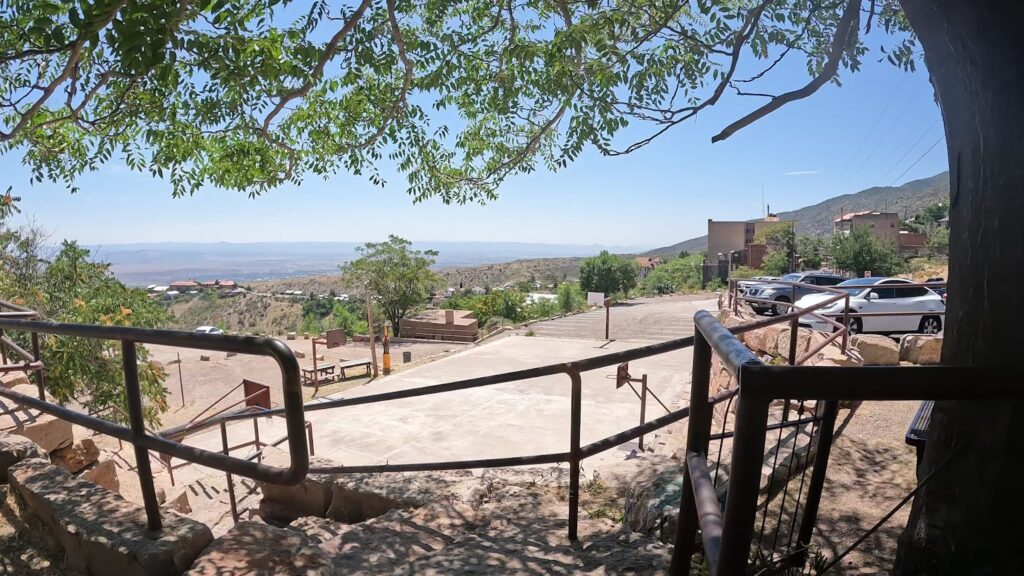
969 518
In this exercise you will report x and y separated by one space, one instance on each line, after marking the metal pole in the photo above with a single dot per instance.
794 330
3 349
231 483
575 455
181 382
697 434
135 420
744 484
256 438
40 376
373 336
817 482
316 377
643 407
846 323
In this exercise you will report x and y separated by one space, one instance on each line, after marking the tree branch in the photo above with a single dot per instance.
318 70
845 31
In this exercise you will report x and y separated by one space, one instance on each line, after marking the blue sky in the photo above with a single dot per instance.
840 140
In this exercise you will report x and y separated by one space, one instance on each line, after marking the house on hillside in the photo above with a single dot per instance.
884 226
184 286
912 243
648 263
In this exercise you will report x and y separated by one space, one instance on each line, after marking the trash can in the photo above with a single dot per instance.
406 357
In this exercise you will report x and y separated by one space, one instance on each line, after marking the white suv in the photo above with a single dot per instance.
875 295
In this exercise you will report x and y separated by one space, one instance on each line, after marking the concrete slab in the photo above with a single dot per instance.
513 419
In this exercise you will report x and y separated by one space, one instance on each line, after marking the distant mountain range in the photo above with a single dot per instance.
164 262
816 220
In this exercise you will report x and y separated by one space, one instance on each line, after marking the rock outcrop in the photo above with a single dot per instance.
923 349
256 549
101 532
876 350
14 449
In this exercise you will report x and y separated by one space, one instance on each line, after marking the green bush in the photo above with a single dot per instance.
679 275
570 297
744 272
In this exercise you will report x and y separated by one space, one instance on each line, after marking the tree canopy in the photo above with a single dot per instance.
456 96
860 252
609 274
397 277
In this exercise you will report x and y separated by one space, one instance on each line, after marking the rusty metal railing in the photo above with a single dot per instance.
726 532
136 433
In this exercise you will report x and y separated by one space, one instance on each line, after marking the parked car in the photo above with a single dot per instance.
784 293
744 285
940 289
208 330
871 295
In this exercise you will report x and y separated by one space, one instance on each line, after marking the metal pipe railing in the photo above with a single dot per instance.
136 434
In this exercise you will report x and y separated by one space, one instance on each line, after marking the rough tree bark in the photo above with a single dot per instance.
970 518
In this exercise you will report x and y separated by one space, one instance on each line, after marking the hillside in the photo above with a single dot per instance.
816 220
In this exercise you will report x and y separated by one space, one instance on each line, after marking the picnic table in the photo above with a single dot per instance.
324 373
364 364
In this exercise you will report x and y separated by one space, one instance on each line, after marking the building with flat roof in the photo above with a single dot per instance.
884 226
442 324
736 240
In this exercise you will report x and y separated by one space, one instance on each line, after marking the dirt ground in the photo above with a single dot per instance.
204 382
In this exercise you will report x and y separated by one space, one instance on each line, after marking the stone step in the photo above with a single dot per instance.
255 548
49 432
101 532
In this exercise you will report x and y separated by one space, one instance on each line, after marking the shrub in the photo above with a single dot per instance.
570 297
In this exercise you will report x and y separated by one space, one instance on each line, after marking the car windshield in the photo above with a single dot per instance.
857 286
791 278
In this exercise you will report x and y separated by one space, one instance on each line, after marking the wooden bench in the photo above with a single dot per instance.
364 364
324 374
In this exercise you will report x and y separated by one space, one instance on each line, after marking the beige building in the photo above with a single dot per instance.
648 263
883 225
725 237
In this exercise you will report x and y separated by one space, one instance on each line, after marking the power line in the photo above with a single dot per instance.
870 133
909 149
890 125
921 157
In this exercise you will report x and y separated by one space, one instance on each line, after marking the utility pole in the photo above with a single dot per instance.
373 335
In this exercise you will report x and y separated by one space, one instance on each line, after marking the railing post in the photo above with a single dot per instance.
697 435
744 483
846 323
817 482
40 376
643 408
135 419
3 348
575 454
256 439
231 483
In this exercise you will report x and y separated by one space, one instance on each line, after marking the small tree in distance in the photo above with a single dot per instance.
860 252
397 277
608 274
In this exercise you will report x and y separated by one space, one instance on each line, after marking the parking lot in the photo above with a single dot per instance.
658 318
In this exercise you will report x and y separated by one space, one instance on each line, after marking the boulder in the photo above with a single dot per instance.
178 501
765 339
921 349
101 532
299 354
876 350
77 456
204 358
290 336
230 354
805 339
103 474
49 432
832 355
258 549
14 449
12 379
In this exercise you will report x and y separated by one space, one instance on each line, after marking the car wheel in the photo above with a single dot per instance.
930 325
777 310
855 326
